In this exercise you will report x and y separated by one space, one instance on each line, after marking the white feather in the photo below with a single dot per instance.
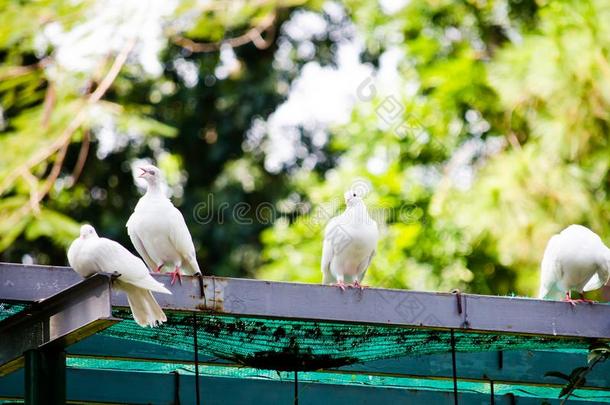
159 233
145 309
350 240
575 259
90 254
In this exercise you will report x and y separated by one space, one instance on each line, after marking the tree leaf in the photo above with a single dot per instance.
557 374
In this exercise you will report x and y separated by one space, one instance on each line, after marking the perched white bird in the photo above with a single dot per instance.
350 240
158 230
575 259
90 254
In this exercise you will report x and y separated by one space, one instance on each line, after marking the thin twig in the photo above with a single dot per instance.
55 170
17 71
82 157
513 140
61 144
34 195
48 104
76 122
253 35
116 67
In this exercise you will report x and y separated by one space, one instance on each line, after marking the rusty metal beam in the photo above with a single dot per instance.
55 322
243 297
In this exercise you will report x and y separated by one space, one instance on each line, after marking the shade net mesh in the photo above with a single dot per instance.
7 309
309 345
269 349
304 345
327 377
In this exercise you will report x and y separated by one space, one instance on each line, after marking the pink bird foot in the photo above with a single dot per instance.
158 269
585 300
358 285
573 302
176 276
568 298
340 284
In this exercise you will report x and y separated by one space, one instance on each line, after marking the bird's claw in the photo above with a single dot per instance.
176 276
158 269
357 284
581 300
340 285
589 301
573 302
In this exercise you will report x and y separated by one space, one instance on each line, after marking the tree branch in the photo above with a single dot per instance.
59 161
64 139
253 35
48 104
16 71
82 157
34 195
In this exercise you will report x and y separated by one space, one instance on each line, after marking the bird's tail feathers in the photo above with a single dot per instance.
191 266
151 284
594 283
145 309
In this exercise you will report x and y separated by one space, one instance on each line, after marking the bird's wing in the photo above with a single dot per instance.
73 252
327 256
328 252
594 283
80 260
601 277
364 266
109 256
182 241
138 245
145 309
550 268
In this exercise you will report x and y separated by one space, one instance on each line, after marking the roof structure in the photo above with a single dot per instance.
270 342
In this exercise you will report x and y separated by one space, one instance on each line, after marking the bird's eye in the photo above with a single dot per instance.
354 194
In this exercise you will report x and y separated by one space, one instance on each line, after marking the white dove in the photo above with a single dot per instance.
90 254
350 240
575 259
158 230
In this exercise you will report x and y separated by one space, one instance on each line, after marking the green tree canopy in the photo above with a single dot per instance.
480 128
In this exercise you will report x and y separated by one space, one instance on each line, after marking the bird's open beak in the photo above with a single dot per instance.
143 172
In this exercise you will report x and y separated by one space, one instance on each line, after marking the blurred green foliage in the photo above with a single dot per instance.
501 139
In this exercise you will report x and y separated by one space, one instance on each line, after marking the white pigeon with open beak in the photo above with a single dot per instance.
350 242
574 260
158 231
90 254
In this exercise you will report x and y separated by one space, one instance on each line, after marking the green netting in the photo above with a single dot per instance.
410 383
7 309
310 345
268 348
